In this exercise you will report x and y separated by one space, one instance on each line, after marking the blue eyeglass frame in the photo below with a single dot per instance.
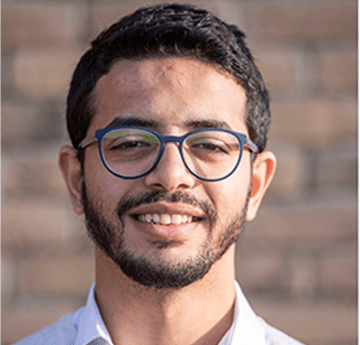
100 133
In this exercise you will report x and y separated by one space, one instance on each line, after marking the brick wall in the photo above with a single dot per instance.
297 262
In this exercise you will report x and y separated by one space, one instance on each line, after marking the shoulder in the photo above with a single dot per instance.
59 333
275 337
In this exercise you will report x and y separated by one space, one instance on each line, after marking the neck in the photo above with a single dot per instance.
200 313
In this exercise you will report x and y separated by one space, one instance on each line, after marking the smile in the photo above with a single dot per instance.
165 219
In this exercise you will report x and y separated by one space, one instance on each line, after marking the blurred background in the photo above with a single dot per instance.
297 262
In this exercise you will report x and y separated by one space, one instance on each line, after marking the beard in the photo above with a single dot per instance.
110 239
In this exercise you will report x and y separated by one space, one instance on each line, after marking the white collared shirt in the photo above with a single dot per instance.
86 327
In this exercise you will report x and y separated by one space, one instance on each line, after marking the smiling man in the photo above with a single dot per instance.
168 118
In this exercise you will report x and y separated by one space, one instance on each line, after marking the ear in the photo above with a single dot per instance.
71 170
263 173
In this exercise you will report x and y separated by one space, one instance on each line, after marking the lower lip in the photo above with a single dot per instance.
174 231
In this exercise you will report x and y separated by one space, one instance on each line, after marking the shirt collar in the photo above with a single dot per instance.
245 329
90 323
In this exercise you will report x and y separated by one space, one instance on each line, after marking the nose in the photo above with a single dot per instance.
170 174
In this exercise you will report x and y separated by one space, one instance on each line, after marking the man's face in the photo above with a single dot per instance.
205 217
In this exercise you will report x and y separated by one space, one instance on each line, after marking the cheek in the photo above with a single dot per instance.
94 172
231 198
103 187
230 194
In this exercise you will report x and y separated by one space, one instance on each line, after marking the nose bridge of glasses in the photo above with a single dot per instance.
171 139
177 141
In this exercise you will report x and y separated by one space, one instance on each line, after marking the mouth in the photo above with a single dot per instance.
166 218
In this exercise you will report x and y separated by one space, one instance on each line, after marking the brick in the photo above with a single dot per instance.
33 126
6 74
291 172
315 123
278 68
307 73
104 15
312 323
339 273
337 165
18 123
46 72
36 24
8 279
257 272
338 71
303 226
303 276
57 275
302 20
231 12
18 322
34 173
34 221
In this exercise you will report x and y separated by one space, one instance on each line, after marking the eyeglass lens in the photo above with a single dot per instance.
132 152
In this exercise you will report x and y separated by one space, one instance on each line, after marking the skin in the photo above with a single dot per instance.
171 92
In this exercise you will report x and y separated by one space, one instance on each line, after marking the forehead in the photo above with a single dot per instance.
169 92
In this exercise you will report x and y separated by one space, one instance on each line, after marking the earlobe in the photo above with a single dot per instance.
71 170
263 173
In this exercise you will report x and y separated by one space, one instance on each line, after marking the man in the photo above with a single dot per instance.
168 118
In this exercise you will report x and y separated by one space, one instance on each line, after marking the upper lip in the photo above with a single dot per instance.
168 208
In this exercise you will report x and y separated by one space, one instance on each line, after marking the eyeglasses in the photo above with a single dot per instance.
130 152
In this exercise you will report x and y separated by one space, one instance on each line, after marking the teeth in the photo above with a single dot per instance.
185 218
164 219
156 218
176 219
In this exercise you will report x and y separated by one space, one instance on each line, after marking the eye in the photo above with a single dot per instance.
131 144
209 145
116 142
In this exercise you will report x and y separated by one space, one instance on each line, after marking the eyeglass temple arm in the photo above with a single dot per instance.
87 141
252 146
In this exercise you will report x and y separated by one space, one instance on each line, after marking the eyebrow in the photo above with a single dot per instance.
149 123
132 121
207 123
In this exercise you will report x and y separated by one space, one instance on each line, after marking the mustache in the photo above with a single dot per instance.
126 204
